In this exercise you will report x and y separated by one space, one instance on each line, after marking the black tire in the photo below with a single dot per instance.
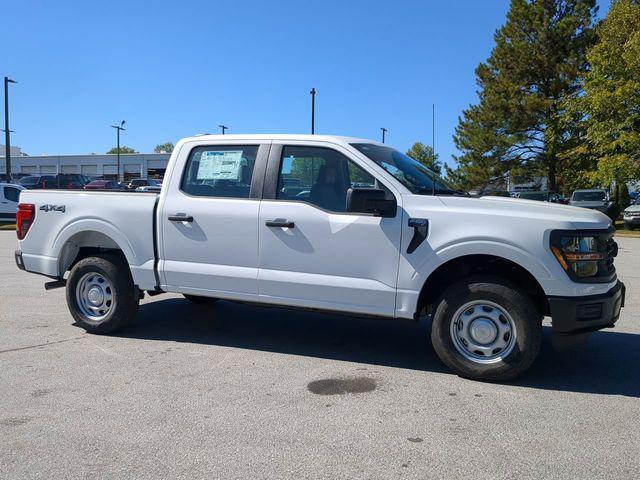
525 317
199 299
125 295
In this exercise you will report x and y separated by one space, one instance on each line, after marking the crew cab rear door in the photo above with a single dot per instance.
209 219
313 253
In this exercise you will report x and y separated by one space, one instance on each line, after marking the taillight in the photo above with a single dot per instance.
24 218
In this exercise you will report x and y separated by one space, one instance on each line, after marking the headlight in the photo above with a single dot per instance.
585 256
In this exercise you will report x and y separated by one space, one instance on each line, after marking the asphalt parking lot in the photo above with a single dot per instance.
233 391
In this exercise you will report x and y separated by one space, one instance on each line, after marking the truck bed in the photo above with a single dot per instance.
66 220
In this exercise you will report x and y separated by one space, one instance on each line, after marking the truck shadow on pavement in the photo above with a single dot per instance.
609 364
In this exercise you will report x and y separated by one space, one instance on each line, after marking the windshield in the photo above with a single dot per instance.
28 180
413 175
597 196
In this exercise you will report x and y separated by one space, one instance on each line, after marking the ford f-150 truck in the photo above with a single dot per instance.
333 224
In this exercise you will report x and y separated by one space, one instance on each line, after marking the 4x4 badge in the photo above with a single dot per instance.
52 208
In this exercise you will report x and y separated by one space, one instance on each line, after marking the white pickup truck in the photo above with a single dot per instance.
334 224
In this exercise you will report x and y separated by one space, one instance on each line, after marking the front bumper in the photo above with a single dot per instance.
631 220
573 315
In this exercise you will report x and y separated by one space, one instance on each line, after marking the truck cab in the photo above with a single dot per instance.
334 224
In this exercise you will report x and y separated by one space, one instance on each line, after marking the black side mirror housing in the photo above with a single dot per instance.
370 200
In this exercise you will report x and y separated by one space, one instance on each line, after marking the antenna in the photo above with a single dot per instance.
433 148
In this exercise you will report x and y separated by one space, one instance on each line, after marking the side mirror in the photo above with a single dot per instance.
370 200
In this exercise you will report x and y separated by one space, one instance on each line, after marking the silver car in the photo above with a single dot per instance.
595 199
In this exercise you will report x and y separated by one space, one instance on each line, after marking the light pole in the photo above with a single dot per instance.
223 128
7 132
118 128
384 130
313 111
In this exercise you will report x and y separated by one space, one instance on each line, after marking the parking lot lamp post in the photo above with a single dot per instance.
223 128
7 132
118 128
384 130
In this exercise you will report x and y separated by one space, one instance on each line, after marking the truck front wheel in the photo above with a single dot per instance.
101 295
485 329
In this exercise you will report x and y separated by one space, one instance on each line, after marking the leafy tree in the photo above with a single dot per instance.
164 148
424 154
611 101
536 65
123 149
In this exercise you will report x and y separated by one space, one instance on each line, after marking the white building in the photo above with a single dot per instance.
132 165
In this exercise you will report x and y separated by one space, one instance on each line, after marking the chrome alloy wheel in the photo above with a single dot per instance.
94 296
483 331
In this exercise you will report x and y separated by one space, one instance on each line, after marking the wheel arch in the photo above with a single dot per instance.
457 268
85 243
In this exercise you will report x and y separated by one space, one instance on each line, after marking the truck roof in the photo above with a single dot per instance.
283 136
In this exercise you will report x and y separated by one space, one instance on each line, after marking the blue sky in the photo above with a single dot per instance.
173 69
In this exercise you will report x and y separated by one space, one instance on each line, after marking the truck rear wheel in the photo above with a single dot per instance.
485 329
101 295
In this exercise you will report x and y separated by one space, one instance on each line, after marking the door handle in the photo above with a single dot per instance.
180 218
279 222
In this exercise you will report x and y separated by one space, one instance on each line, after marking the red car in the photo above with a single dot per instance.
102 185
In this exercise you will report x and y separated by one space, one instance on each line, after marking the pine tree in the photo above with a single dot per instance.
536 66
424 154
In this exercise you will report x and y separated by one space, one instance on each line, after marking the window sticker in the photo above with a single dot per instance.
220 165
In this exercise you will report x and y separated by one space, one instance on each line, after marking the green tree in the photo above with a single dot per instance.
123 149
611 101
164 148
424 154
483 159
537 64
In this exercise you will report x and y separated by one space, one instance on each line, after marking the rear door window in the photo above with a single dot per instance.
220 171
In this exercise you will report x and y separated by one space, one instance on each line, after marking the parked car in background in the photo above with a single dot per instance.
142 182
539 196
15 177
594 199
33 182
495 193
102 185
9 198
631 215
558 198
67 181
149 188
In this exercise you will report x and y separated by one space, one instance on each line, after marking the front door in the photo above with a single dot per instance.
209 221
312 252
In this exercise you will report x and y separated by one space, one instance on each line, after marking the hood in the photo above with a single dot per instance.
632 208
548 213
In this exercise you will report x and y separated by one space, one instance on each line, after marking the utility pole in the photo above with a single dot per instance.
118 128
7 131
223 128
384 130
313 111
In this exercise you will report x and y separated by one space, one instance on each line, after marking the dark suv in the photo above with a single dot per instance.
67 181
33 182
